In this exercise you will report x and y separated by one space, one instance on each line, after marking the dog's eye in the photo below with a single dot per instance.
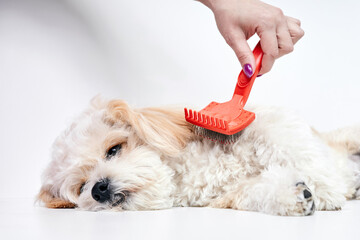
81 188
113 151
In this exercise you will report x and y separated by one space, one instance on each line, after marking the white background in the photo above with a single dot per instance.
56 55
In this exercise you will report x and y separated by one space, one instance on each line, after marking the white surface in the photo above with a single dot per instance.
20 220
55 55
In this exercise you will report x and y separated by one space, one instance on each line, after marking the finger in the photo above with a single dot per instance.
269 45
285 43
294 20
243 52
295 31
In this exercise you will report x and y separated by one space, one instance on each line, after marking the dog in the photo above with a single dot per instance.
114 157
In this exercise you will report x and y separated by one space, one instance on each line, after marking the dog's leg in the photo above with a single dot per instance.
344 139
277 191
340 179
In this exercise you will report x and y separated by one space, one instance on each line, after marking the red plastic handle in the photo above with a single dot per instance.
244 84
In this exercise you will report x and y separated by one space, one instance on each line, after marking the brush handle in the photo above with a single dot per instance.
244 84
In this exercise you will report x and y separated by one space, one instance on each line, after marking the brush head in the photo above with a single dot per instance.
220 126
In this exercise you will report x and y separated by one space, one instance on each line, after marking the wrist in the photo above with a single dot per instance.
208 3
217 5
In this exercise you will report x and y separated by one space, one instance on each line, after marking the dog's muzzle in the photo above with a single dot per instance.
102 192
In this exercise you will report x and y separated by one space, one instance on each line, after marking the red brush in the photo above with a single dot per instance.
223 121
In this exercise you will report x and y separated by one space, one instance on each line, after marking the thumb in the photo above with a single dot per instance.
244 54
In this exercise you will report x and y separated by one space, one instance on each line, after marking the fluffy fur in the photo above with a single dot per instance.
279 165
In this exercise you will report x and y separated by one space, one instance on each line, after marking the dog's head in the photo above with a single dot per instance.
110 157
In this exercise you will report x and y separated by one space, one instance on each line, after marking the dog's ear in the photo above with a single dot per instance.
51 201
165 129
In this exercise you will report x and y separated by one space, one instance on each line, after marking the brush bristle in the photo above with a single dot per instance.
215 136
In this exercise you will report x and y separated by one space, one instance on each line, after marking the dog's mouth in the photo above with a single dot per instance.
119 198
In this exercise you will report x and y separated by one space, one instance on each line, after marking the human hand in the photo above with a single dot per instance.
238 20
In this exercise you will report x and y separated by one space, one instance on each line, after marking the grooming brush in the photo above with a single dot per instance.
223 122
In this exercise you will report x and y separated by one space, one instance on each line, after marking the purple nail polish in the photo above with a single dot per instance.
259 75
248 70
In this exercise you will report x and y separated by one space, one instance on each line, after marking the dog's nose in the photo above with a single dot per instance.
101 191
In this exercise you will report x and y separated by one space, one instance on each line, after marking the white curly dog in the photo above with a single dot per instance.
119 158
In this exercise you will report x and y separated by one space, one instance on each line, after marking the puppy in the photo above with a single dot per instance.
119 158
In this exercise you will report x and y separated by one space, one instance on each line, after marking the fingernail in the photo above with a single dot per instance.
248 70
259 75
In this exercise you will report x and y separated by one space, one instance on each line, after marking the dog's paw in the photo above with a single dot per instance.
305 204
